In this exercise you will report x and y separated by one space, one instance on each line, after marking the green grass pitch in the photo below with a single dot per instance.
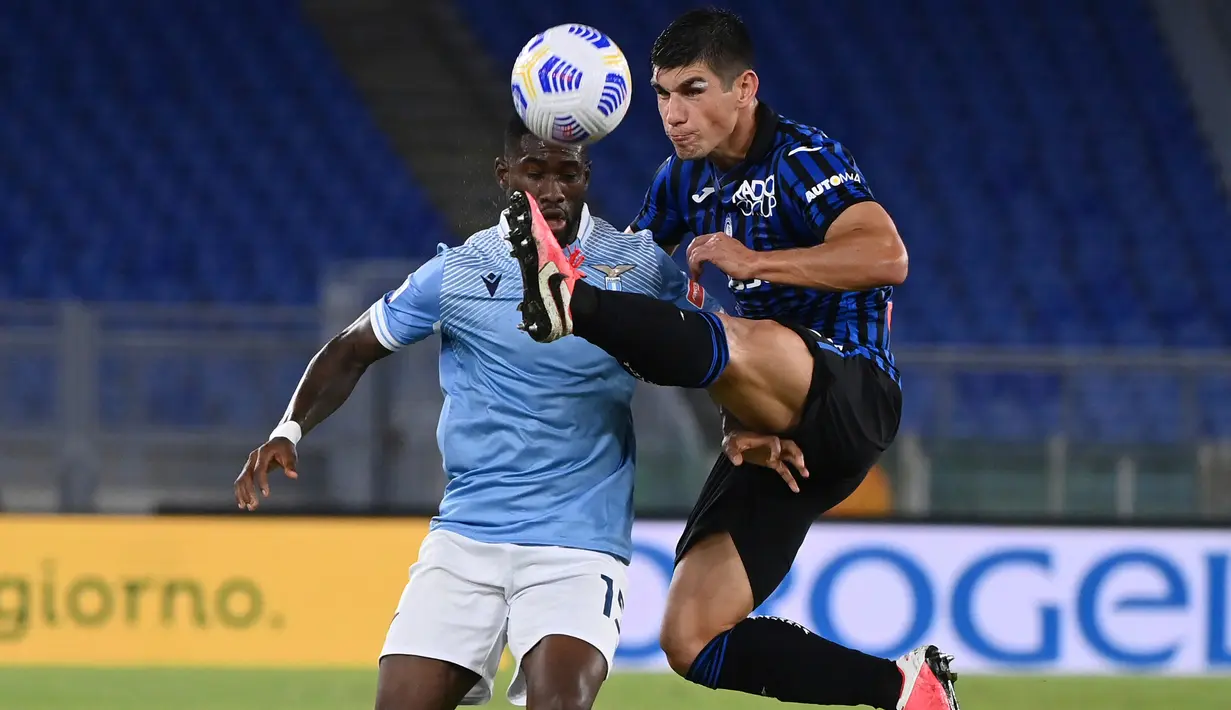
199 689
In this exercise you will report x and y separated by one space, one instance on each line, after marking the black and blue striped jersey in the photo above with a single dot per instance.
818 180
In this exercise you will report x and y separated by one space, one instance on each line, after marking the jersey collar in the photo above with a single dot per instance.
763 136
585 226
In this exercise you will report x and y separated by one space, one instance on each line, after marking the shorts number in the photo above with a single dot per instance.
738 286
612 595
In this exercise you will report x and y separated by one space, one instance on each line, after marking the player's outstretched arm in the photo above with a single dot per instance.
327 382
401 317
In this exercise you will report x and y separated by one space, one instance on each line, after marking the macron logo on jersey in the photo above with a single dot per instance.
825 185
492 281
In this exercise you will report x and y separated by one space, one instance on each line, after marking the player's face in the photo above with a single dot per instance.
698 113
557 176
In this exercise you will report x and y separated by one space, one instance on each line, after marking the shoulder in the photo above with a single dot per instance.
666 166
605 235
797 140
478 247
632 260
811 163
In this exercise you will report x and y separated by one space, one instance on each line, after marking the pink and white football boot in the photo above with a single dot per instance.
927 681
547 275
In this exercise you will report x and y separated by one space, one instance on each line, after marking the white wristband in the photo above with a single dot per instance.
289 430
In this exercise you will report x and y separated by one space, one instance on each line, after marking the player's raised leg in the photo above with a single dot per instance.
759 370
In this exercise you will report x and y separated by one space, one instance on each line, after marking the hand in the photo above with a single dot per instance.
279 452
766 450
729 255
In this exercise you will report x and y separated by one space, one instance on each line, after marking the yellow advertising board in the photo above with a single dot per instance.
211 591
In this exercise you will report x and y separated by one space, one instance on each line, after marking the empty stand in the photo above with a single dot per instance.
188 152
1040 160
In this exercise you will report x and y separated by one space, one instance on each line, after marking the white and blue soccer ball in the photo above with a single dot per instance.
571 84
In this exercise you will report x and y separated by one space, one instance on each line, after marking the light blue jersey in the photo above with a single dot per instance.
536 439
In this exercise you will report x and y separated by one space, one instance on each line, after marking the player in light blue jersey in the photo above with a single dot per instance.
532 541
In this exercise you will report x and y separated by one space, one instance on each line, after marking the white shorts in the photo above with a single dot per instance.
466 600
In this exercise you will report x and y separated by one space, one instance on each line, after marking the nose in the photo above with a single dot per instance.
551 193
675 113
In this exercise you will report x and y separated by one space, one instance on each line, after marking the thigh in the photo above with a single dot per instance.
766 381
563 672
765 522
576 594
850 418
452 610
417 683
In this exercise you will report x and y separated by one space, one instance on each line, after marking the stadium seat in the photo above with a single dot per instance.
189 152
216 152
1010 142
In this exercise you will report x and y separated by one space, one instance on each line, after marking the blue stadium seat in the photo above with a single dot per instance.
188 152
1043 202
215 152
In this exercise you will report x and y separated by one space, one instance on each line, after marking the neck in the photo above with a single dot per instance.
731 151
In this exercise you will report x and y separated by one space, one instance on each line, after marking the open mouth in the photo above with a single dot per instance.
556 219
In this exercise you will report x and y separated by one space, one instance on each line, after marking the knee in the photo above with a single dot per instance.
682 642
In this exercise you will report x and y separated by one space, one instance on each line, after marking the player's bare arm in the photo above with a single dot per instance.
327 382
862 251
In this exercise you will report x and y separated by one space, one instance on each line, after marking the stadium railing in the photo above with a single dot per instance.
139 408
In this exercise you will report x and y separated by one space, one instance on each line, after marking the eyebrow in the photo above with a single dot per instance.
693 83
538 159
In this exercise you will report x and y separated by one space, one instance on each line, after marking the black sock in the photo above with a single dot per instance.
653 339
781 659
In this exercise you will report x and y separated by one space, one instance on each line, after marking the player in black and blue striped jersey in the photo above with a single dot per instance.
803 371
785 194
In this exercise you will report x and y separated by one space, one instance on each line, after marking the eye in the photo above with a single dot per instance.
570 177
534 175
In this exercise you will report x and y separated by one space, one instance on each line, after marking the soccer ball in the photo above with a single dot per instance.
571 84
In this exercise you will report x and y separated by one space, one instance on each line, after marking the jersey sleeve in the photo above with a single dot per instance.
821 181
679 288
659 212
412 311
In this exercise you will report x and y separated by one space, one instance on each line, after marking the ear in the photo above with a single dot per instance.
502 173
746 86
585 174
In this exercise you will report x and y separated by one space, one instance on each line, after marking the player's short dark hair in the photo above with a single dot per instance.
718 38
514 131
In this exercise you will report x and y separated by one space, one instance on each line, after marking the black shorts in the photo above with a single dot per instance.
850 417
